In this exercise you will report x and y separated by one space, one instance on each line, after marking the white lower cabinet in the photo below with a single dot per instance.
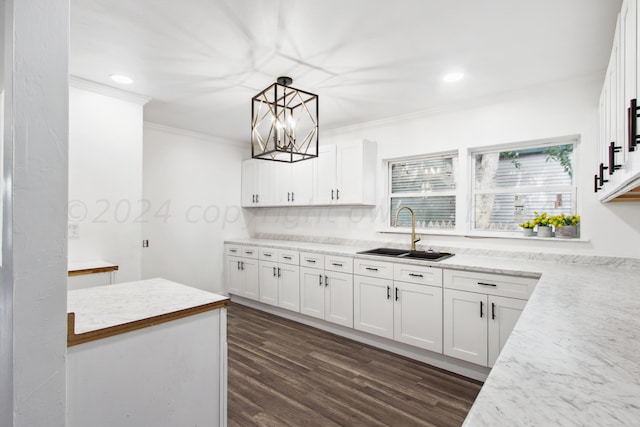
373 306
410 313
327 294
417 316
269 282
289 287
478 324
279 278
242 277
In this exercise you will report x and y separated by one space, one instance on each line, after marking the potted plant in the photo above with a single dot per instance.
527 228
543 224
566 225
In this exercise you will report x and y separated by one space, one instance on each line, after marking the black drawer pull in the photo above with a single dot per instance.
267 255
480 309
487 284
371 269
326 281
233 251
388 292
493 311
396 294
278 271
274 272
312 261
415 275
287 257
335 264
320 276
248 252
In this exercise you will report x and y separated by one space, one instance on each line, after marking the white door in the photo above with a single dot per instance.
338 298
289 287
503 313
312 292
373 305
283 177
465 326
234 275
324 175
251 280
302 182
418 315
268 282
266 182
349 173
248 184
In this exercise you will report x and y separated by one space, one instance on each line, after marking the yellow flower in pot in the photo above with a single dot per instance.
566 225
542 221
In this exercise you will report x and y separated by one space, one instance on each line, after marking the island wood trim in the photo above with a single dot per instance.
630 196
75 339
93 270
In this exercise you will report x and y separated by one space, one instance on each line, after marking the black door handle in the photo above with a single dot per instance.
326 281
493 311
274 272
480 309
396 294
278 271
388 292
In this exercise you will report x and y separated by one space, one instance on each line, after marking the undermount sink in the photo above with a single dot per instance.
402 253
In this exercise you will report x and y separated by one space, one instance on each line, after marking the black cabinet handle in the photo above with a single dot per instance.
396 294
326 281
371 269
274 272
286 257
253 198
242 265
238 265
337 194
632 113
415 275
248 252
487 284
320 276
601 170
335 264
268 255
613 149
595 184
480 309
233 251
312 261
293 196
388 292
278 271
288 197
331 194
493 311
257 198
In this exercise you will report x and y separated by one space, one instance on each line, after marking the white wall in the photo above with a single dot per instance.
564 108
192 188
105 176
33 287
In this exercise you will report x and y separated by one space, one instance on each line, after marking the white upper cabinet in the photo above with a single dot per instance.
345 174
619 177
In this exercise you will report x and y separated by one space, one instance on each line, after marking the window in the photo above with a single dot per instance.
510 184
428 186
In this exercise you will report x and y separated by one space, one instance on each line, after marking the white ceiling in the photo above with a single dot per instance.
201 61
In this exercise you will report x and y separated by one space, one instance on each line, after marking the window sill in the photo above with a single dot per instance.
480 235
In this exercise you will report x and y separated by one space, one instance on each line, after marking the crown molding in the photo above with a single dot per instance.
80 83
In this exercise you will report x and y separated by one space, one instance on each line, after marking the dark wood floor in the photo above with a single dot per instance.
282 373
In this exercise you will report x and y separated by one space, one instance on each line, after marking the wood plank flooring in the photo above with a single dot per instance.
283 373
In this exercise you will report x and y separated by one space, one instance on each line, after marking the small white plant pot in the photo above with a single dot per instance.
544 231
567 232
527 232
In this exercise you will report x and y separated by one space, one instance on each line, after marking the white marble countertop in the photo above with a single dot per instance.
107 306
573 358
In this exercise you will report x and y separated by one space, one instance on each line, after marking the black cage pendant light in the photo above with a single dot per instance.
284 123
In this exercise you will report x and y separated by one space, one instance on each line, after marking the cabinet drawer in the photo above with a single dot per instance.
250 252
364 267
286 256
422 275
491 284
309 259
341 264
233 250
268 254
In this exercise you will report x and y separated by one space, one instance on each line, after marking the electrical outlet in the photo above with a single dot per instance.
73 231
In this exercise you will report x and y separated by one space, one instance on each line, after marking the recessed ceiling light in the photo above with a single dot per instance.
453 77
118 78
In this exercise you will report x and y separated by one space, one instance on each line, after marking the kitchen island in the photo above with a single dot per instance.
150 352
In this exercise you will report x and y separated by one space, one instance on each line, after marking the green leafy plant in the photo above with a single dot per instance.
541 219
561 154
513 156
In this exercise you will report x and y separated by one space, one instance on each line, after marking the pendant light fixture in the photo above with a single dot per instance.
284 123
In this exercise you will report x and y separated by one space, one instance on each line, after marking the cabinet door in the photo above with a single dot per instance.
250 278
248 185
418 315
268 282
282 183
266 182
324 176
465 326
289 287
338 298
302 183
234 275
373 305
503 313
349 173
628 58
312 292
